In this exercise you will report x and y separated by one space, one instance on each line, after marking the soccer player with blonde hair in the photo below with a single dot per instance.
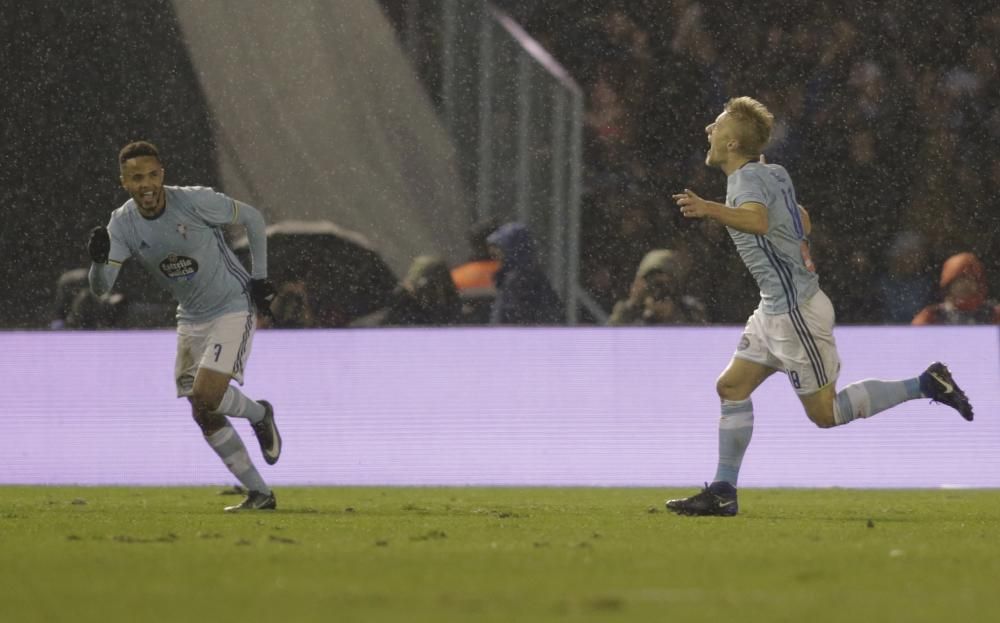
792 328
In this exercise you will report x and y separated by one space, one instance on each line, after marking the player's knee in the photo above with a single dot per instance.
203 400
824 423
823 418
207 421
728 390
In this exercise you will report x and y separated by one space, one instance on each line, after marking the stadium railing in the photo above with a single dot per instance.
516 118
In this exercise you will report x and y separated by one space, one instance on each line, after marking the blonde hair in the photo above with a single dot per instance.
754 123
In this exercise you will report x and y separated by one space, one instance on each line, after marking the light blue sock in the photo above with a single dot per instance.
871 396
735 431
227 444
235 404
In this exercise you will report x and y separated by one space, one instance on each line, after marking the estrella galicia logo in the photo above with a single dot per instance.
179 267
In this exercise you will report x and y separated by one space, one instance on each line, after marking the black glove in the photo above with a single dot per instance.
262 293
99 244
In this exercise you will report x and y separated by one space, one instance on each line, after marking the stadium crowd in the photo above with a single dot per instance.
887 117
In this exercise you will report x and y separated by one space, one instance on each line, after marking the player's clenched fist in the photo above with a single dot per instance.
692 206
99 244
262 293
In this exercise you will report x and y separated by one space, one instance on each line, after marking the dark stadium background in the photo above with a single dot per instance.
79 77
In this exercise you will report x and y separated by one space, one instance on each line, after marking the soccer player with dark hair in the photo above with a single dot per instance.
175 233
792 328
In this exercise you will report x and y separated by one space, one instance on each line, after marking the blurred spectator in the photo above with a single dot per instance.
70 283
291 308
90 311
475 277
657 295
963 283
524 294
76 307
478 271
426 297
905 287
622 225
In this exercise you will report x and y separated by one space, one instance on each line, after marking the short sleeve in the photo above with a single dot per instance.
214 207
747 188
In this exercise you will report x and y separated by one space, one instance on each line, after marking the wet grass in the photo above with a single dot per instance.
499 554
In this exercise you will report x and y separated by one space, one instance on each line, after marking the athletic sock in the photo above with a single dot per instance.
236 404
866 398
227 444
735 431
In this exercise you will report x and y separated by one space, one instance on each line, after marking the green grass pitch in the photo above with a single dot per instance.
497 554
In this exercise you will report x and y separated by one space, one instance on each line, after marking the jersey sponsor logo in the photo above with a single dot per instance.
179 267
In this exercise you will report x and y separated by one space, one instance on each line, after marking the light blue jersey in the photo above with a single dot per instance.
779 260
185 252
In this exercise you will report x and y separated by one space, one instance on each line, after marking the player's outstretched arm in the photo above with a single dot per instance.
750 217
